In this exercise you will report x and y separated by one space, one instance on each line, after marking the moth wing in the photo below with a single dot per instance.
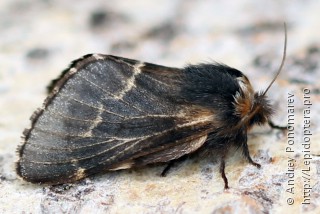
171 153
106 113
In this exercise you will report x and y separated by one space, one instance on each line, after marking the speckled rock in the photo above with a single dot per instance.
38 39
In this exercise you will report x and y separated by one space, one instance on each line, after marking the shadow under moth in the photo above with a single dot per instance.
109 113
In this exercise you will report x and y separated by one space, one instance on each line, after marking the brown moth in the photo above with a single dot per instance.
109 113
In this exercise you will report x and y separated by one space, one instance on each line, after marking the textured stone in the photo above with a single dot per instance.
40 38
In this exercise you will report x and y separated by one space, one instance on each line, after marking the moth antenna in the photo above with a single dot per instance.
283 59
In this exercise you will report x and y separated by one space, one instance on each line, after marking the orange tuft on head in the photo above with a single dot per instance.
244 98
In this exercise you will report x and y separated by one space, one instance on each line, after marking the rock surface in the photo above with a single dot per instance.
39 38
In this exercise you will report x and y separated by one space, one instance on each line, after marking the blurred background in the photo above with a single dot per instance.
39 38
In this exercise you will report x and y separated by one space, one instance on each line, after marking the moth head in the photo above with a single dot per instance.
260 110
253 108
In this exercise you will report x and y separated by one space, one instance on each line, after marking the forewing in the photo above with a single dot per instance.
107 111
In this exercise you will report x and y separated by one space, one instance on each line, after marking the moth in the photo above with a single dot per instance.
109 113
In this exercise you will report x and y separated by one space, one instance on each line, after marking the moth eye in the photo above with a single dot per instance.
258 119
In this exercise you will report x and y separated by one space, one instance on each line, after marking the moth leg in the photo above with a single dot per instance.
246 154
171 164
272 125
222 172
167 168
